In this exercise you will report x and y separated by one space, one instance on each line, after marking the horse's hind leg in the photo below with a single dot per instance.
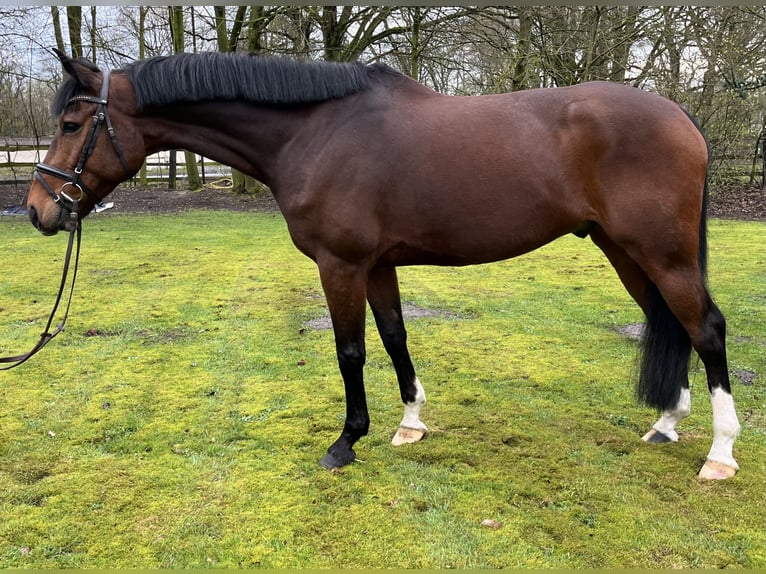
385 302
641 288
690 301
682 315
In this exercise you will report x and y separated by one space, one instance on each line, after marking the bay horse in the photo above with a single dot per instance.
372 170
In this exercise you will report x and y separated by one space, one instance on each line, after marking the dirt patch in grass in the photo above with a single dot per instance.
632 331
408 311
746 376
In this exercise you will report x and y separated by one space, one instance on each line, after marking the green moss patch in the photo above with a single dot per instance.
179 420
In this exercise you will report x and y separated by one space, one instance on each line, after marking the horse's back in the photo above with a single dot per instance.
460 180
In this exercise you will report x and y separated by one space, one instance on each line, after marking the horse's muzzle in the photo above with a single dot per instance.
36 220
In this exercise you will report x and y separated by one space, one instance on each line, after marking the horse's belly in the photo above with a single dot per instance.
471 245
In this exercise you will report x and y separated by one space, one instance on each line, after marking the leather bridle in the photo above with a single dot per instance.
68 201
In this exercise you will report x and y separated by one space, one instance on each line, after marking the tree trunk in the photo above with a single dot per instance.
620 52
255 27
674 50
74 23
227 42
220 28
415 43
520 79
332 32
57 29
93 34
141 55
760 147
236 27
194 183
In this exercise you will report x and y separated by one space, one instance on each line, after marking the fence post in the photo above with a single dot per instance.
172 170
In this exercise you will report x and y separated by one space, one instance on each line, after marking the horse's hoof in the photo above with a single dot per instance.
336 459
714 470
656 437
407 435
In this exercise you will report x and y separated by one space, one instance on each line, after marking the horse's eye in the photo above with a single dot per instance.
70 127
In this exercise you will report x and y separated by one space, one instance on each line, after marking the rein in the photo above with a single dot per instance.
69 202
47 336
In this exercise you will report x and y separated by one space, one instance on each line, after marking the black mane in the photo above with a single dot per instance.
261 79
210 76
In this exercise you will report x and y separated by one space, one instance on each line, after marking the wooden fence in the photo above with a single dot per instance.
18 157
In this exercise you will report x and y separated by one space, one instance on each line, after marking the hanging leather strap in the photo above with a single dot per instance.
48 335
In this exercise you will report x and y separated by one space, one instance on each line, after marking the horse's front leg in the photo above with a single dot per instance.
385 302
345 287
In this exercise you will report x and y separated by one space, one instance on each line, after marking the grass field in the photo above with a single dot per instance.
179 420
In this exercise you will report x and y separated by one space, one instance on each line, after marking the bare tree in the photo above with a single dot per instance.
176 18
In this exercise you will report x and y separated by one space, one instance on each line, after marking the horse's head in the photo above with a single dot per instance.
96 146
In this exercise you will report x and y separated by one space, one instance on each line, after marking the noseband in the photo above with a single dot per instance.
69 199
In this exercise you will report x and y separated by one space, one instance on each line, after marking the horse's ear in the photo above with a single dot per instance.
60 55
81 70
66 62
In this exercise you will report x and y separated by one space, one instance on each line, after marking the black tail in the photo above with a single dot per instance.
666 346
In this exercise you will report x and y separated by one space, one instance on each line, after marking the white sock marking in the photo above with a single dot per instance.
671 417
412 410
725 428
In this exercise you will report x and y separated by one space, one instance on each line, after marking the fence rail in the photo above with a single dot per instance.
14 143
23 153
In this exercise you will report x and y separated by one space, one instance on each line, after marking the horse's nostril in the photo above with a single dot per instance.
33 217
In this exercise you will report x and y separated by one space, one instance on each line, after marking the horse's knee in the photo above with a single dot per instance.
394 339
351 355
357 426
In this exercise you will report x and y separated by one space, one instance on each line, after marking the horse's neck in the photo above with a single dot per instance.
246 137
